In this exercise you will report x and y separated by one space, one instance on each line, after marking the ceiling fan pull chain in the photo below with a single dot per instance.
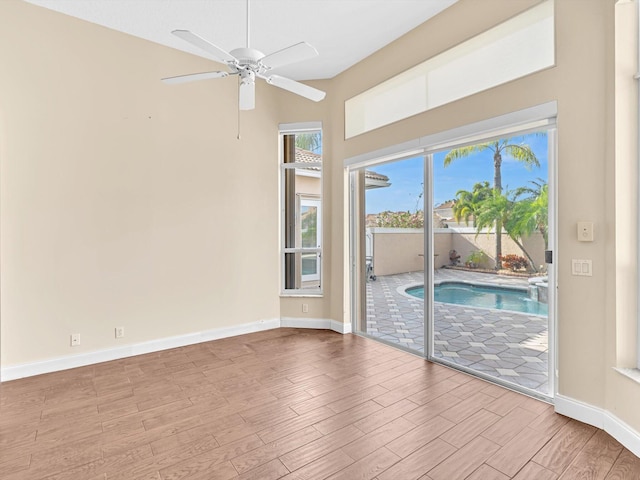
238 134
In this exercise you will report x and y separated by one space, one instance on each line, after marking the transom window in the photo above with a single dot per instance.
513 49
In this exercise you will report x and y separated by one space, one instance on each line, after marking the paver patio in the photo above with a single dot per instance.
508 345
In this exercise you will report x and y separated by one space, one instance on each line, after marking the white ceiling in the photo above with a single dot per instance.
343 31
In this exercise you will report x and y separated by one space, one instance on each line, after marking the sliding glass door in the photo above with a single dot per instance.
490 280
468 283
392 252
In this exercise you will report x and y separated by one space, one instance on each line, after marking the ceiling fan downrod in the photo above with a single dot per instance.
248 24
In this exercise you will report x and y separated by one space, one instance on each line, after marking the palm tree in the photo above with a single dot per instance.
520 152
531 213
467 203
312 142
498 208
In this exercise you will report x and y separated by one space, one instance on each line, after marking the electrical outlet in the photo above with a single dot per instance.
305 308
119 332
75 339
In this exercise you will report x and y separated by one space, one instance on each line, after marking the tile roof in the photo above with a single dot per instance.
447 204
305 156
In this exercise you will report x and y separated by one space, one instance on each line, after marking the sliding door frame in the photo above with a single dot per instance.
537 118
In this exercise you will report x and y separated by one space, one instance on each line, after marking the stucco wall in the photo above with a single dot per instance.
400 250
466 243
397 250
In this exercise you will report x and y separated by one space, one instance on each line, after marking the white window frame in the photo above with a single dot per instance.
637 78
293 129
314 201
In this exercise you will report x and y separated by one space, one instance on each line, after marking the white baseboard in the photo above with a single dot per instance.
317 323
622 432
578 410
90 358
600 418
73 361
340 327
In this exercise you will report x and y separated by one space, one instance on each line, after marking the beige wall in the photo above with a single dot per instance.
308 185
582 84
399 250
621 392
466 243
119 194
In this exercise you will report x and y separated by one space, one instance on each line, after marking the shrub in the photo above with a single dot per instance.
477 259
514 262
400 219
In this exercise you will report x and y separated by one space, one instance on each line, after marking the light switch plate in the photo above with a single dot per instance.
585 231
582 268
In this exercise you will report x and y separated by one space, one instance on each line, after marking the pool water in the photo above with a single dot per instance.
483 297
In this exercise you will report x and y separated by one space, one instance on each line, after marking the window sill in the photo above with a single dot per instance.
632 373
301 295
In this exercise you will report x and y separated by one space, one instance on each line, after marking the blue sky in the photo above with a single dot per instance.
406 177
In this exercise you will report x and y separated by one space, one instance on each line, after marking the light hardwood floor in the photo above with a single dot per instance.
292 404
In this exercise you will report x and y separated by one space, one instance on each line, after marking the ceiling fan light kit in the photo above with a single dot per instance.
249 63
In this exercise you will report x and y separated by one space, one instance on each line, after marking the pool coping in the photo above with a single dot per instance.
402 290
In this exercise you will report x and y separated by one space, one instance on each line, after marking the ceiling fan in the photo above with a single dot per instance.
248 64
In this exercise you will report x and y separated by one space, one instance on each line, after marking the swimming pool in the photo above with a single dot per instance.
483 296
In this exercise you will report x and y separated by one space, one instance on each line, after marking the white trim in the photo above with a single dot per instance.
579 410
90 358
341 327
552 269
306 173
622 432
386 154
316 323
599 418
637 77
299 127
311 201
533 118
410 231
631 373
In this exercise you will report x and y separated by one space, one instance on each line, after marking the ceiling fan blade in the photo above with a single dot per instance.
295 53
296 87
193 77
205 45
247 96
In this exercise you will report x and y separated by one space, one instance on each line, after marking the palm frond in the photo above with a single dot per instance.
522 153
463 152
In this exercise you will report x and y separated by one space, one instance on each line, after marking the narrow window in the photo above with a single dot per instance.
301 207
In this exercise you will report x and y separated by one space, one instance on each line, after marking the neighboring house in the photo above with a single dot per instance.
371 178
445 210
447 218
309 209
